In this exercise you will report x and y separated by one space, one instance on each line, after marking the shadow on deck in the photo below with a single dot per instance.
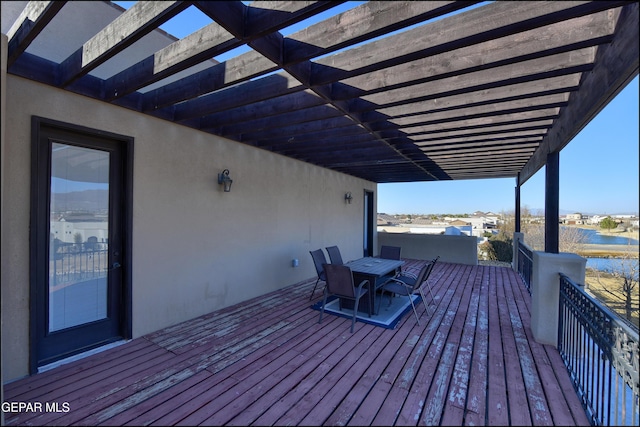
268 362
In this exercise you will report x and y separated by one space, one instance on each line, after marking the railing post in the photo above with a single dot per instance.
545 291
517 237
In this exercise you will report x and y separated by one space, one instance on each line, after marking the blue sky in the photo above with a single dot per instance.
598 168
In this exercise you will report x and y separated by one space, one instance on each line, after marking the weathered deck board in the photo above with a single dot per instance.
476 403
497 401
471 361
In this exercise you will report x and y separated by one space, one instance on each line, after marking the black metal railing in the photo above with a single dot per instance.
601 353
73 262
525 263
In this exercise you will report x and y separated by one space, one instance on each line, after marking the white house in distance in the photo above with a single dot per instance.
66 231
574 219
632 219
475 225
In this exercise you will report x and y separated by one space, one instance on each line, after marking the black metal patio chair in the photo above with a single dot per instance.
318 260
334 255
407 285
340 283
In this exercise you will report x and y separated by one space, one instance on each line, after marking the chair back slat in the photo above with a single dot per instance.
318 260
390 252
334 255
424 273
339 280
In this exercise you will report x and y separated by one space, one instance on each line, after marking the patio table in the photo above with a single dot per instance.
377 271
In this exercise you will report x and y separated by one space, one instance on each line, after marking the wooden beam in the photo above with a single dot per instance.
247 93
506 169
540 68
33 19
498 149
488 96
329 147
493 21
267 16
486 130
476 140
380 154
570 35
361 23
282 121
328 134
247 22
336 143
481 122
271 108
451 166
197 47
271 46
310 127
231 72
275 52
486 175
252 64
616 66
480 145
243 67
495 108
497 161
126 29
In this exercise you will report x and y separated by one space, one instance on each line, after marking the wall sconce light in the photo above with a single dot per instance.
348 197
223 178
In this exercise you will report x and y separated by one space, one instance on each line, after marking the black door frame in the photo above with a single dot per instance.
39 226
369 223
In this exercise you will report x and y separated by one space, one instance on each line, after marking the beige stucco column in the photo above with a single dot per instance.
545 291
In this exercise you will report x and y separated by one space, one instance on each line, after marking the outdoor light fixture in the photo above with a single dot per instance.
223 178
348 197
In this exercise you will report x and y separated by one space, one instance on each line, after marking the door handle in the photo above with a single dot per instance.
115 265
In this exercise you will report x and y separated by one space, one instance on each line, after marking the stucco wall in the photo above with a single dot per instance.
195 248
460 249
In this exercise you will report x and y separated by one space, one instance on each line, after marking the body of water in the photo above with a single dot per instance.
610 264
595 238
592 237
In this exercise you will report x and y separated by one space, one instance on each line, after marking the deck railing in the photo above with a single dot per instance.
601 352
72 262
525 263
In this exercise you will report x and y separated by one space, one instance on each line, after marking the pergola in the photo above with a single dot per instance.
387 91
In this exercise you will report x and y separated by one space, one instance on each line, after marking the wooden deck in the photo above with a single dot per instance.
268 362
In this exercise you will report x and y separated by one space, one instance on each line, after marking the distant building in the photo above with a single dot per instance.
595 219
573 219
475 225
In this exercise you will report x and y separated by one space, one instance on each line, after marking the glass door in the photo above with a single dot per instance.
78 246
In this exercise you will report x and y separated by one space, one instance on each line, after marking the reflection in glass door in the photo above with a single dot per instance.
79 228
